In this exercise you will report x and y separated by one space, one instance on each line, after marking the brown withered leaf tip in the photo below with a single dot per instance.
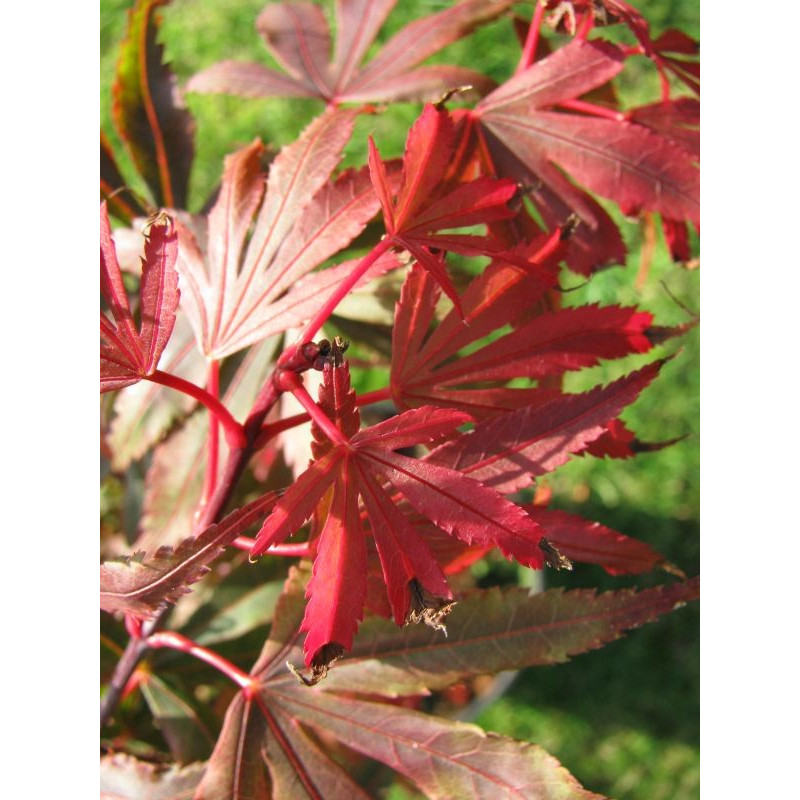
320 664
553 556
439 104
428 608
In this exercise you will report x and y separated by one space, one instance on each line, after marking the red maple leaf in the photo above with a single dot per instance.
633 165
426 204
126 354
364 464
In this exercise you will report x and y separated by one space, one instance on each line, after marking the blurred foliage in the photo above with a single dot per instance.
623 720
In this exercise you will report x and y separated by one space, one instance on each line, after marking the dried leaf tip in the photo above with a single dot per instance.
320 664
439 104
553 556
427 607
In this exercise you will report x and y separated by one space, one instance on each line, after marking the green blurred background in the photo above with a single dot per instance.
624 720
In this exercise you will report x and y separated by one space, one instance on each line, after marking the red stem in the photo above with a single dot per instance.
292 382
177 641
234 433
532 40
212 461
274 428
594 110
342 290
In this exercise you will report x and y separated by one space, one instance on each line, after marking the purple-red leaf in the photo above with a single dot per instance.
128 355
468 510
298 36
139 585
590 542
552 343
628 163
148 111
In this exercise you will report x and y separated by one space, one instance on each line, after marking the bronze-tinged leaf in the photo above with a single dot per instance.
148 111
494 630
263 753
444 759
300 768
139 585
284 634
123 777
236 769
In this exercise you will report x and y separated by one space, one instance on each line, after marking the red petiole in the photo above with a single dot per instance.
234 432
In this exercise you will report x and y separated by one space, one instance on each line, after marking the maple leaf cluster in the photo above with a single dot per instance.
462 246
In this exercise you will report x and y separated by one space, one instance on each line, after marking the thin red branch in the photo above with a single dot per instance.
212 459
234 433
532 40
177 641
342 291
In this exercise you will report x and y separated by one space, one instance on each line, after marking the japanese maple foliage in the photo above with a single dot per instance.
463 248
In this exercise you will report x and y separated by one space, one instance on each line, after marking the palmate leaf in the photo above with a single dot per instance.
415 583
148 112
140 586
298 36
636 167
427 369
426 205
145 411
126 354
236 296
264 748
444 759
